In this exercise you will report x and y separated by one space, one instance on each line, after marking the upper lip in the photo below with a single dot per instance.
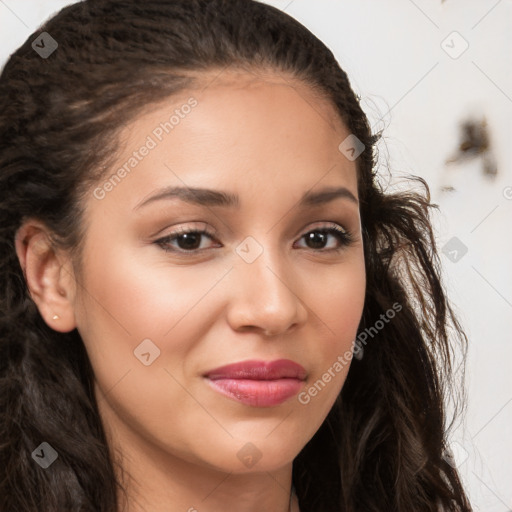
259 370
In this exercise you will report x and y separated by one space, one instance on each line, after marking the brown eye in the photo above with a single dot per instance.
186 241
317 239
183 241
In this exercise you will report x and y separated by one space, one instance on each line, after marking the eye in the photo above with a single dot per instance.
187 240
190 240
317 238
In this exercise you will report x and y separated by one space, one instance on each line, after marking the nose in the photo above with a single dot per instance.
264 297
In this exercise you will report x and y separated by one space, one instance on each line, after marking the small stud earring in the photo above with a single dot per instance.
55 317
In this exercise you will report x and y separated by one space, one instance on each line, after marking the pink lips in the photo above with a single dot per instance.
258 383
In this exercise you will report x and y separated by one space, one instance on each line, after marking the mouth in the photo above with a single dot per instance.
258 383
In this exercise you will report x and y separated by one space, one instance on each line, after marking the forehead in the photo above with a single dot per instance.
244 129
262 85
249 95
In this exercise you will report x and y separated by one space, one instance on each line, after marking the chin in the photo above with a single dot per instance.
256 456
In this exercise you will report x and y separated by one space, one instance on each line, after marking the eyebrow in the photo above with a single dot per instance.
209 197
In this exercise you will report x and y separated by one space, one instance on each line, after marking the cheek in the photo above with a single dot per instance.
342 302
339 302
126 302
124 295
338 312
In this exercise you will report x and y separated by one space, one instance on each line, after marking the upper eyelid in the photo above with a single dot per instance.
213 232
214 235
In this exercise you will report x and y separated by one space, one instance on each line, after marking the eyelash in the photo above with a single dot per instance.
344 237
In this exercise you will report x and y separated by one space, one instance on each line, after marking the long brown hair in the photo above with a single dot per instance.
382 446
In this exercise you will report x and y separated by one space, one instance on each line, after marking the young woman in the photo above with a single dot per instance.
207 301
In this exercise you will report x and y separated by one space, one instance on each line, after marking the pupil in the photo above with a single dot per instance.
191 240
317 239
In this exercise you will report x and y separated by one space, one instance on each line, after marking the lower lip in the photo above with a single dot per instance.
258 393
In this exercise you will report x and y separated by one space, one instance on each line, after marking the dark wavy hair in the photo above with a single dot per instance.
383 445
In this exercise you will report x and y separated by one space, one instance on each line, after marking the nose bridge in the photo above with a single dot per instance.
264 294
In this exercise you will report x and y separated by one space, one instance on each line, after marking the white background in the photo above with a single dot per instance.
395 57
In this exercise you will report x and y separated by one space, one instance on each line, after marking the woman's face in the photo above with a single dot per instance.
254 164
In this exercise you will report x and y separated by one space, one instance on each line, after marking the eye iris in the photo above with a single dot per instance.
192 240
317 238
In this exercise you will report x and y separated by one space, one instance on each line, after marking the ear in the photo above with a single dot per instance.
49 275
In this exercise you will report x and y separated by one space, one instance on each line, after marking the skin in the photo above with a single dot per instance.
269 141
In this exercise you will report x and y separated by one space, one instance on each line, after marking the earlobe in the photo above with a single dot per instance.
50 283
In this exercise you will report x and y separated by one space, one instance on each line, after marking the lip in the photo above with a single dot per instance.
258 383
